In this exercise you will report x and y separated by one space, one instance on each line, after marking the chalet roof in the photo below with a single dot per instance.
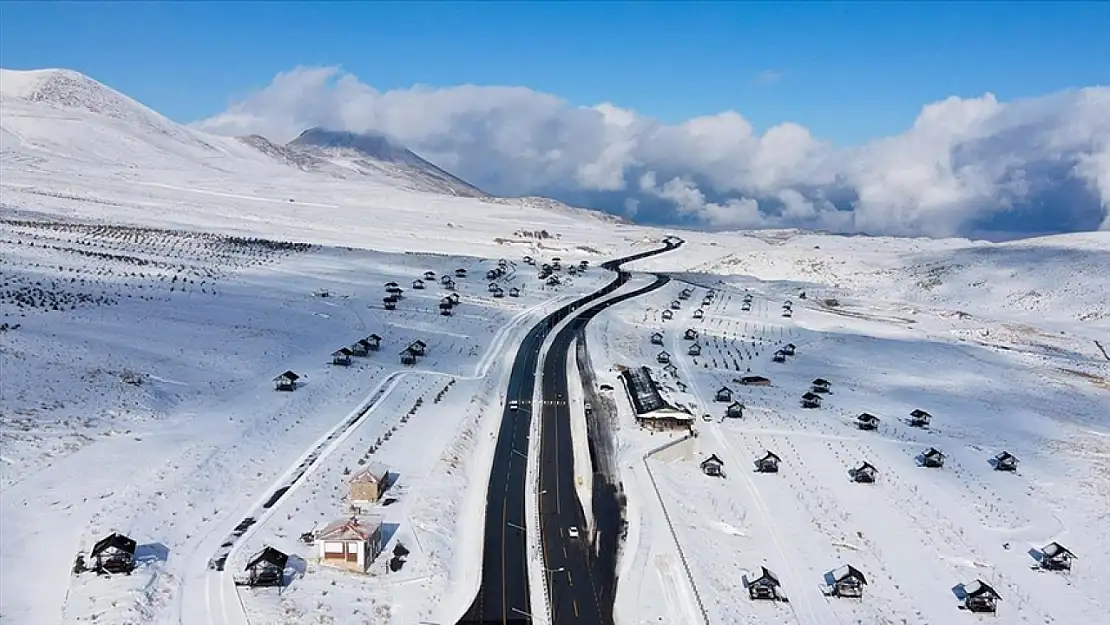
1005 455
978 588
711 460
724 389
391 284
664 354
351 528
931 452
865 466
917 412
780 353
767 575
268 555
735 404
820 382
771 456
790 345
288 375
1053 549
375 472
811 396
848 572
115 540
867 417
748 379
419 343
345 351
364 342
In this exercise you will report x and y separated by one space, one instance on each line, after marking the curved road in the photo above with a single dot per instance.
503 596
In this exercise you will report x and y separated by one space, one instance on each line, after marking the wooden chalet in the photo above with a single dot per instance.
503 263
919 418
865 473
286 381
705 301
389 302
747 297
391 285
583 264
429 275
735 410
848 582
445 307
554 281
445 279
341 356
667 314
723 394
684 294
663 358
671 369
454 297
528 260
980 597
418 347
572 270
679 384
1005 461
867 421
365 347
492 287
418 284
755 380
821 385
460 273
114 553
665 420
358 348
699 314
787 304
690 334
811 400
675 305
499 292
778 356
694 350
367 485
768 463
932 458
408 357
375 342
788 349
766 586
267 568
656 338
491 275
787 313
1056 557
514 292
713 466
745 307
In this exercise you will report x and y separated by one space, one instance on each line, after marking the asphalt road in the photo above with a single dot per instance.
503 596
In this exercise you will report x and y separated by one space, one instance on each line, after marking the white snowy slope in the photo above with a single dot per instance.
153 279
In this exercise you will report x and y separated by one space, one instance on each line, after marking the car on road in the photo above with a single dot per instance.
514 404
572 531
706 417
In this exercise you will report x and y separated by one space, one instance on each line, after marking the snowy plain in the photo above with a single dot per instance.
154 280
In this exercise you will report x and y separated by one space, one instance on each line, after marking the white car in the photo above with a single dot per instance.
572 531
514 404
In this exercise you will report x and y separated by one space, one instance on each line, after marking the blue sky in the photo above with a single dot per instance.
847 71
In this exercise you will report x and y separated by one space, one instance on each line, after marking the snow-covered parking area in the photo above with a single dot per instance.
916 533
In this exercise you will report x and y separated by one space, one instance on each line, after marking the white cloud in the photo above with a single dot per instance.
768 76
963 163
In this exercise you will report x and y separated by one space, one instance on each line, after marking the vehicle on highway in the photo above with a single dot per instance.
572 531
514 404
706 417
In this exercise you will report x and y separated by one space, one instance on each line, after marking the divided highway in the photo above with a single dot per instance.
503 596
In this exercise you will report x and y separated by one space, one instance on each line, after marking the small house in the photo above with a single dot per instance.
445 307
341 356
1005 461
663 358
267 568
679 384
786 313
690 334
684 294
713 466
418 284
788 349
865 473
286 381
454 297
768 463
694 350
747 297
766 586
449 284
699 314
583 264
675 305
867 421
389 286
919 418
821 385
1056 557
389 303
932 458
491 275
367 485
408 357
418 347
492 287
656 338
445 280
667 314
554 281
980 597
528 260
514 292
745 307
723 394
778 356
350 544
446 301
502 263
114 553
460 273
787 304
546 267
848 582
671 369
706 301
811 400
499 292
755 380
358 348
375 342
735 410
429 275
572 270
